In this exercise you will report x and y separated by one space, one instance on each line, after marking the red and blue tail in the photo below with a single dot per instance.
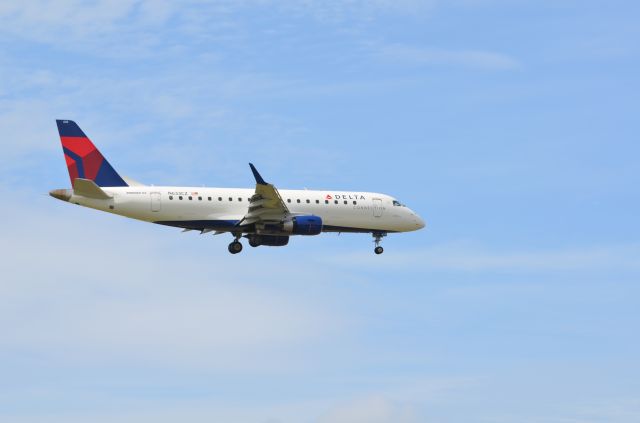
83 158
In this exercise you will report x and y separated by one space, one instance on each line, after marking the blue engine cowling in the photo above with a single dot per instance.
303 225
297 225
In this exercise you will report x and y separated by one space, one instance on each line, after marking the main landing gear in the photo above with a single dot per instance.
235 247
377 237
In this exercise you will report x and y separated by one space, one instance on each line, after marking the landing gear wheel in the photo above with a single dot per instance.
377 237
235 247
254 240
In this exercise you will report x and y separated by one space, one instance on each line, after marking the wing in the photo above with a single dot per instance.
266 204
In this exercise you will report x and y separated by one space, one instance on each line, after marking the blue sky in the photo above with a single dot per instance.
510 126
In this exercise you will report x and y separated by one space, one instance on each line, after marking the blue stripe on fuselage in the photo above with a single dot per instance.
330 228
230 225
201 224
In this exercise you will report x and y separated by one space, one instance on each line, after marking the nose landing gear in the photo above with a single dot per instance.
377 237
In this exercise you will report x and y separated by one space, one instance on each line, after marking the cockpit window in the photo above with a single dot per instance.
397 203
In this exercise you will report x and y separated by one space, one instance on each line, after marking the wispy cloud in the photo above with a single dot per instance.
130 28
132 301
208 108
406 54
613 410
371 409
339 11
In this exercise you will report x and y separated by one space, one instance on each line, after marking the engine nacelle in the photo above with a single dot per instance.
303 225
256 240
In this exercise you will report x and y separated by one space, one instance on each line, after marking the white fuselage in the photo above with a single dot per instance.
222 208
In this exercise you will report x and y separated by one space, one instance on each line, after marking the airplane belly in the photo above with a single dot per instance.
354 220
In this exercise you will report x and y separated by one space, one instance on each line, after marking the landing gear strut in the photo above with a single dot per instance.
235 247
377 237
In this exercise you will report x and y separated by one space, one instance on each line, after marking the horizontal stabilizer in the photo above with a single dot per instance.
88 188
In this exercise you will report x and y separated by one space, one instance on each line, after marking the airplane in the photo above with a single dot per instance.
265 216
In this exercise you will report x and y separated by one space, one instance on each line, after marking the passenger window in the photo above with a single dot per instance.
298 200
199 198
288 200
345 201
326 201
308 201
219 198
230 199
317 201
335 201
239 199
354 203
190 198
171 197
209 198
180 198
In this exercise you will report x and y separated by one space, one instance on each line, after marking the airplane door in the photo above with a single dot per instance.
156 205
377 207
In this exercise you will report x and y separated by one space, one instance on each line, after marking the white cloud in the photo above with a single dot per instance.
40 19
214 410
339 11
75 292
184 98
404 54
23 124
130 27
371 409
611 410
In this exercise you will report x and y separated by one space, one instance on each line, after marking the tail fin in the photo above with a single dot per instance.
83 158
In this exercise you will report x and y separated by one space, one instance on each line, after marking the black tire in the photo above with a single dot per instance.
378 250
235 247
254 242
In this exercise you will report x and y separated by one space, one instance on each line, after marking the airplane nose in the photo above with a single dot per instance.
61 194
417 221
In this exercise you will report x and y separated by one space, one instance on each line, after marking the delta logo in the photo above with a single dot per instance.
345 197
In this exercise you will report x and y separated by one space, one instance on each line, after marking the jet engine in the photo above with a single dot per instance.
296 225
303 225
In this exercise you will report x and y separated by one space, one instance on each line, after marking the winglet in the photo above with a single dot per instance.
256 175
